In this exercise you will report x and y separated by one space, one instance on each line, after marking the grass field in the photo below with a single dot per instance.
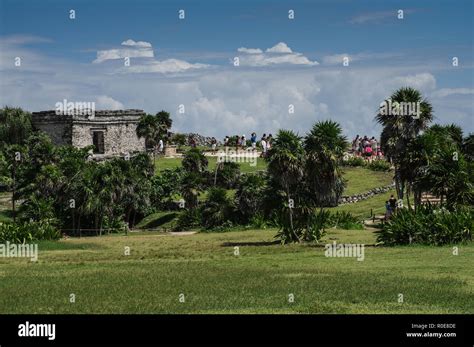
171 163
204 268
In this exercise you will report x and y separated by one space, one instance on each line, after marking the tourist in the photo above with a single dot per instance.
393 203
355 144
213 145
160 146
243 141
226 142
253 140
263 143
373 144
388 211
368 152
269 142
238 142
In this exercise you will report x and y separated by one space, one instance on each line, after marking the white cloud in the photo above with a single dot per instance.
418 81
336 59
132 43
164 66
225 100
139 49
441 93
106 102
280 47
250 50
278 54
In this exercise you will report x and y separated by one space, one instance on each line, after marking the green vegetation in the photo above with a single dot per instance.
361 180
204 268
428 225
172 163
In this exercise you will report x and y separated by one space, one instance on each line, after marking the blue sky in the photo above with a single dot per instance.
190 61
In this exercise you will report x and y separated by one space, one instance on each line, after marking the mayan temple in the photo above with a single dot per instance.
111 132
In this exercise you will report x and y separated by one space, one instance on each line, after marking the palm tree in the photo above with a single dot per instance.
149 128
400 129
164 123
286 168
194 161
325 146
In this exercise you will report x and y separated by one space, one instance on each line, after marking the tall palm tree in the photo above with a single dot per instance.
286 168
149 128
400 129
164 123
325 146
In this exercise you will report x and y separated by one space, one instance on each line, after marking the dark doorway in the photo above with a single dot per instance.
98 142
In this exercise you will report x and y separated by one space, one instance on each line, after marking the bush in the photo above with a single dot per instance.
227 174
27 232
379 165
344 220
189 219
307 224
428 226
217 209
249 197
354 161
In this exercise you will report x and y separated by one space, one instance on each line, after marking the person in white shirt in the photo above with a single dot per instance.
160 146
263 143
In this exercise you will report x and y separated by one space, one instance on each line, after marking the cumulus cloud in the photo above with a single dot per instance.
139 49
132 43
223 100
142 49
106 102
418 81
164 66
280 47
278 54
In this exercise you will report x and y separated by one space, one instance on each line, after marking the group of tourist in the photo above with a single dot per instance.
240 142
366 148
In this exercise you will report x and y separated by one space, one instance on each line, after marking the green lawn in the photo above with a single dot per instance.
204 268
361 180
171 163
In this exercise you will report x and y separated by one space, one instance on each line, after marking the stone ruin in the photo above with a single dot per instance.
111 132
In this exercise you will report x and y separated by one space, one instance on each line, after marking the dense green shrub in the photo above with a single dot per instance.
27 232
354 161
344 220
379 165
429 226
227 174
249 197
189 219
217 209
